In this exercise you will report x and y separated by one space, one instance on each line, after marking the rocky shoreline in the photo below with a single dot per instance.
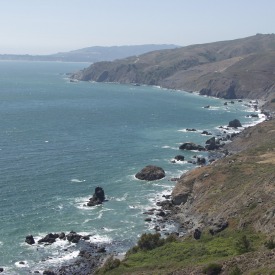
175 207
165 214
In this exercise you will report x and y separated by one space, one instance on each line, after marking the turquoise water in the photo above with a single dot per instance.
59 140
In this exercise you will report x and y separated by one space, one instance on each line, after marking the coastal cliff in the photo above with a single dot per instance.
227 209
238 188
241 68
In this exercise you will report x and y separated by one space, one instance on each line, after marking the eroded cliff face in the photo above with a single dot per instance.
239 188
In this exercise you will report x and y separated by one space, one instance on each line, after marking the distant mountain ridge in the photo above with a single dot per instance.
241 68
92 54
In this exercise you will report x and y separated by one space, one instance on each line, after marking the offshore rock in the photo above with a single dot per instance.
191 146
150 173
49 238
29 239
98 197
234 123
73 237
179 158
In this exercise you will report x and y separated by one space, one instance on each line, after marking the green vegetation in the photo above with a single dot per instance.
270 244
235 271
154 255
243 245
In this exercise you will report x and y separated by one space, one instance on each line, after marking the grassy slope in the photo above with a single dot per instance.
239 188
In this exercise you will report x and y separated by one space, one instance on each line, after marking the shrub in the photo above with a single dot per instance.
212 269
150 241
243 245
110 264
235 271
270 244
272 100
171 238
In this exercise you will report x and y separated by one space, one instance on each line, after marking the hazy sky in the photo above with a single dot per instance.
49 26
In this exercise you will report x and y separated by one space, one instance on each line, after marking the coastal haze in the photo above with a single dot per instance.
92 92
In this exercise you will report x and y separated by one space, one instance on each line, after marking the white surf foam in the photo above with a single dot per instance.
77 180
169 147
123 198
64 258
22 264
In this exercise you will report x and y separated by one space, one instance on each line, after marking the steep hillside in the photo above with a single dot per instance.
239 188
241 68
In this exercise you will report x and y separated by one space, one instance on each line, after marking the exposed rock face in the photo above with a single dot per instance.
98 197
183 190
191 146
234 123
150 173
218 226
29 239
197 234
1 269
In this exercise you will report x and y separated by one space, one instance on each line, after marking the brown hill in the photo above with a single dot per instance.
239 189
241 68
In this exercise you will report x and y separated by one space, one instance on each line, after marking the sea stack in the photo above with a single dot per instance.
97 198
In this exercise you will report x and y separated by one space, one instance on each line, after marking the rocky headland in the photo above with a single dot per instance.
241 68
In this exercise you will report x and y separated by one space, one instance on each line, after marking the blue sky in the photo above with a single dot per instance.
49 26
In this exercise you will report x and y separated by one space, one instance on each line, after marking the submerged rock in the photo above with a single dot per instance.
150 173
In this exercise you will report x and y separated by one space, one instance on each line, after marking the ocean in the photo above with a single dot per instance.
61 139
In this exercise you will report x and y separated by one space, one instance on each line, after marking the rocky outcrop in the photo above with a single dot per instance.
218 226
97 198
49 238
212 144
179 158
73 237
30 240
150 173
191 146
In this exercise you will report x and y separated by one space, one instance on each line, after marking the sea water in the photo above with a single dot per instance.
61 139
